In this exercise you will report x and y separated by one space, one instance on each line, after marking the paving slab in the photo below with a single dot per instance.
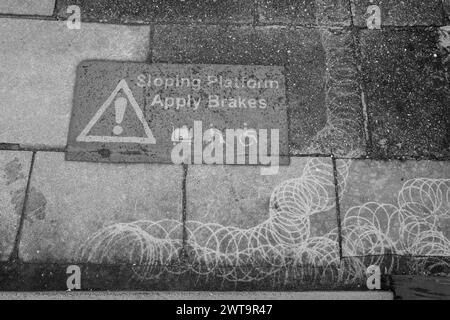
99 213
144 11
304 12
406 91
28 7
172 113
398 208
399 13
244 227
321 76
14 171
37 74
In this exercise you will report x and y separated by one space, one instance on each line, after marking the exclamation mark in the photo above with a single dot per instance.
120 104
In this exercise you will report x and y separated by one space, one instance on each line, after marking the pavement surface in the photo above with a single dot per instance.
369 144
189 295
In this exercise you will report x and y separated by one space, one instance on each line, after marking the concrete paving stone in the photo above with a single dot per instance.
237 218
395 207
321 75
99 213
14 170
37 73
406 88
304 12
28 7
399 13
144 11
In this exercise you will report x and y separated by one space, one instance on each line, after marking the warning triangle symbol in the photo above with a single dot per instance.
149 139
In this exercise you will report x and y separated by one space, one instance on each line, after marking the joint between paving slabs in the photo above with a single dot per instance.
14 257
151 38
366 123
338 208
55 9
27 17
184 210
350 9
30 148
393 28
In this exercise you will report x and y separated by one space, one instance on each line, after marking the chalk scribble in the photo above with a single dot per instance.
284 241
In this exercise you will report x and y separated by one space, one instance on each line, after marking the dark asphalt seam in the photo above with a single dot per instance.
349 6
18 147
14 257
170 23
219 23
338 205
357 55
391 28
301 25
29 17
164 22
55 9
150 43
